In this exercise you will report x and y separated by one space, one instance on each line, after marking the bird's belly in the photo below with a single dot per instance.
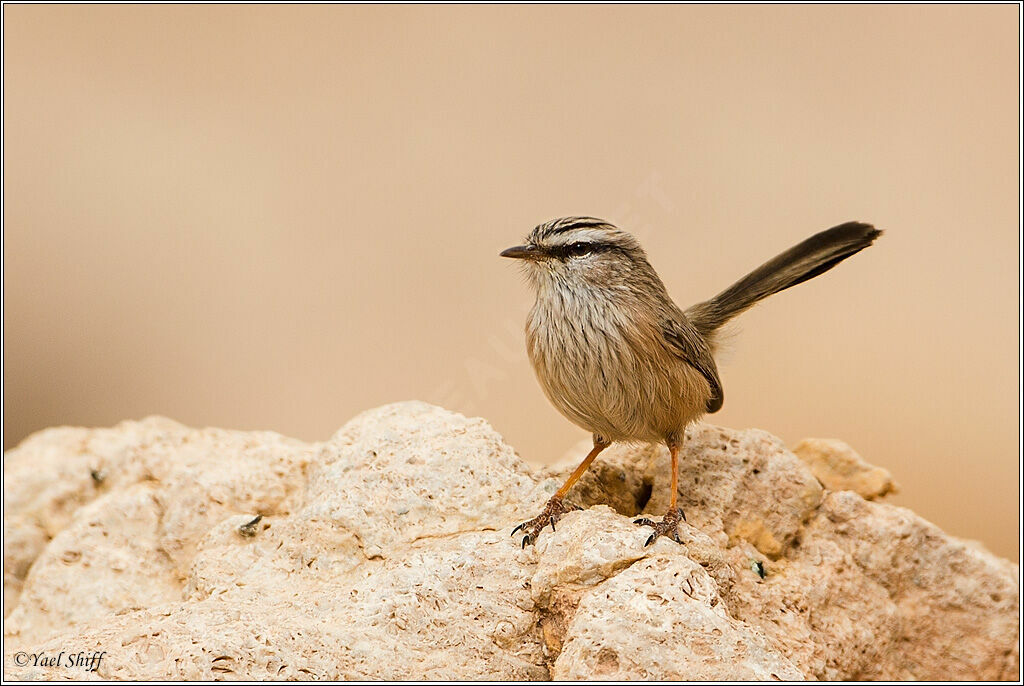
617 388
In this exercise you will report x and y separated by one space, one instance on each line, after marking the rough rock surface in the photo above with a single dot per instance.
384 553
839 468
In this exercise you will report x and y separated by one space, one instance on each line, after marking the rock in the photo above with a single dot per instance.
616 610
839 468
384 553
735 485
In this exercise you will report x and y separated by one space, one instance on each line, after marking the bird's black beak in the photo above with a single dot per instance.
523 252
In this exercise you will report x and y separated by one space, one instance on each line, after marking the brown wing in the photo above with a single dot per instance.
687 343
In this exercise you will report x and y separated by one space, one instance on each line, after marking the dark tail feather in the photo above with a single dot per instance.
803 261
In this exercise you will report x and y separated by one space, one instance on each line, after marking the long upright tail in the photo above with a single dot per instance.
803 261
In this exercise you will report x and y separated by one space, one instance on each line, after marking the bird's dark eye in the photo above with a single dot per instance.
578 249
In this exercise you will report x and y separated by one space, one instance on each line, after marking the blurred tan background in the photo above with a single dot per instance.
276 217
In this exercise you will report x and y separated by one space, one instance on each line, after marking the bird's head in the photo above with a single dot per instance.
581 251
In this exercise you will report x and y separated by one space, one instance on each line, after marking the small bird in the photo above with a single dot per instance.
618 358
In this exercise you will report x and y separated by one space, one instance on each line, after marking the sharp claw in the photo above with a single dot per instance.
650 540
533 527
682 514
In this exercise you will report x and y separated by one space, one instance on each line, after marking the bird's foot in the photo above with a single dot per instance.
668 526
551 513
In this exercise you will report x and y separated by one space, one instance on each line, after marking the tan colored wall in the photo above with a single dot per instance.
270 217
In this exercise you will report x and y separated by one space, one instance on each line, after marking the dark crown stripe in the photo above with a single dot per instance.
571 223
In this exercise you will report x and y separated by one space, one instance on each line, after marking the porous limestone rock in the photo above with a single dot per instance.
839 468
384 553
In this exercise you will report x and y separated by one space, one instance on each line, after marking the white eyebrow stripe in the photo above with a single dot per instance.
580 236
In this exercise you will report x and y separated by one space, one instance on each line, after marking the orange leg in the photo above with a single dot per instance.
674 451
669 523
555 508
575 476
